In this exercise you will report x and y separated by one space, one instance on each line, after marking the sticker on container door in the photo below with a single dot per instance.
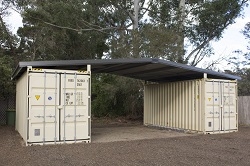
79 98
228 100
69 99
37 97
37 132
209 99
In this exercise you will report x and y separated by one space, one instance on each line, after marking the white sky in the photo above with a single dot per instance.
14 21
232 39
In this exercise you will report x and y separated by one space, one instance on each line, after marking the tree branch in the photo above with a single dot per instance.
8 37
198 48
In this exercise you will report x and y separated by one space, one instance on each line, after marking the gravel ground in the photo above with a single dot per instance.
220 149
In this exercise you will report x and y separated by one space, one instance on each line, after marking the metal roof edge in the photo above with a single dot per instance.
16 71
197 69
80 62
24 64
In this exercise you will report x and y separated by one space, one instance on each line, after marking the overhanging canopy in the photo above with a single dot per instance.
148 69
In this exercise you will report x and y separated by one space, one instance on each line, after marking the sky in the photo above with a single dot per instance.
232 39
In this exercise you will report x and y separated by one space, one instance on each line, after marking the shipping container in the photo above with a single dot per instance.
202 105
53 106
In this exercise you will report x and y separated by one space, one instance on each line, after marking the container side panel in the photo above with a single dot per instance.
189 110
168 98
75 100
145 105
43 102
157 108
173 105
21 106
185 126
200 107
176 100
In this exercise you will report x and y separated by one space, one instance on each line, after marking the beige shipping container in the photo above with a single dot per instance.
202 105
53 106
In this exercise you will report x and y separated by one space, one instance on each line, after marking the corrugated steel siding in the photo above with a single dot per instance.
181 105
174 105
22 105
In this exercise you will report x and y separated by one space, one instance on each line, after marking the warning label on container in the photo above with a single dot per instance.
209 99
37 97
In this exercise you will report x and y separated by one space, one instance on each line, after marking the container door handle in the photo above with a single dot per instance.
39 116
50 116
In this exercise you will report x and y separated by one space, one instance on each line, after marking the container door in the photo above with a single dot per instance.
43 103
75 116
212 106
228 90
220 106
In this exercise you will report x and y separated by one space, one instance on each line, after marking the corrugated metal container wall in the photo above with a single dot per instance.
22 105
53 106
186 105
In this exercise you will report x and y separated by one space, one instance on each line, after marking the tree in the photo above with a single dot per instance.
244 84
8 53
246 33
129 24
46 33
204 21
116 96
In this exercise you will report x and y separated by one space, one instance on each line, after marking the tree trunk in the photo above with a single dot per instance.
135 32
180 54
136 14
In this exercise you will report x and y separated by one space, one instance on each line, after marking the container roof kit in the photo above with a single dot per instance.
53 102
149 69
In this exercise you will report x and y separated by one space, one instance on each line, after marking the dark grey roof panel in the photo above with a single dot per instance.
148 69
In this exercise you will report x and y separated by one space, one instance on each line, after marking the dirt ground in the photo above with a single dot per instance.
106 130
219 149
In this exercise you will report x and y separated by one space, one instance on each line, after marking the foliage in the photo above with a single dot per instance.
7 87
44 34
57 29
246 33
8 53
204 21
244 84
116 96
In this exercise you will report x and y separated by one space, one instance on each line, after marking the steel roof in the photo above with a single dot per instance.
149 69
